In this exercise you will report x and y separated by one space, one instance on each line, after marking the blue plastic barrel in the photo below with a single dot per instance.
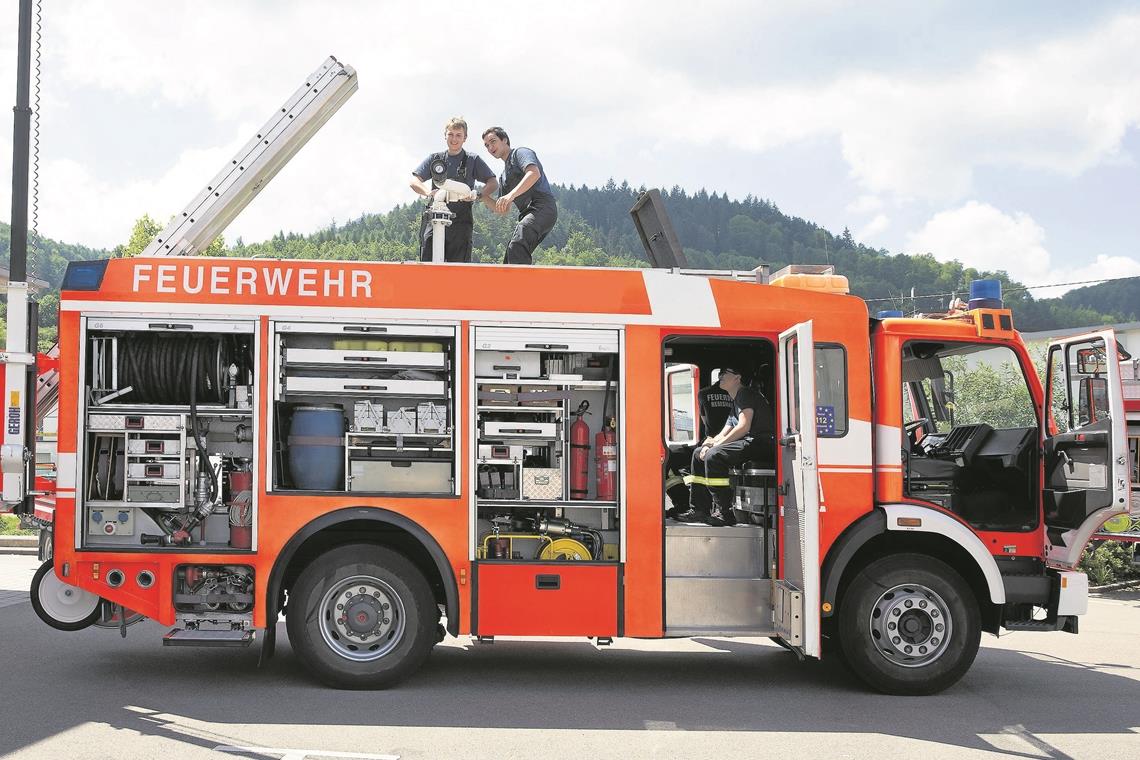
316 447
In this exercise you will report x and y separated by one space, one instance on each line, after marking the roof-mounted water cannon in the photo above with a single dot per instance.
438 214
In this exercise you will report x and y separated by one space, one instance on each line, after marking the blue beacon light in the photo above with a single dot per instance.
985 294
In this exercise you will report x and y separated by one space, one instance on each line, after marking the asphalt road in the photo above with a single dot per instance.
94 695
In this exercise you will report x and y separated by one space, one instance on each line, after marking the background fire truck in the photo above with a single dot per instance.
386 452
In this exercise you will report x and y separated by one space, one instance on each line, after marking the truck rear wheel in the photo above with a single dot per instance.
909 624
60 604
361 617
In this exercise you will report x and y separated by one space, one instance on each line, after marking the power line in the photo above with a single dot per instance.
1016 289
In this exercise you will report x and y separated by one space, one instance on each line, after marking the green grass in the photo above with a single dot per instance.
10 526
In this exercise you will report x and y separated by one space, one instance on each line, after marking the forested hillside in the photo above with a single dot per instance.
1120 297
594 229
47 258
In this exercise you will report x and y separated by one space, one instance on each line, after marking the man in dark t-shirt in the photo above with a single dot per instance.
523 183
748 434
463 167
715 405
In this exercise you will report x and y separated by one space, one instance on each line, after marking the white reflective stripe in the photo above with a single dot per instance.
680 299
853 449
944 525
888 445
65 475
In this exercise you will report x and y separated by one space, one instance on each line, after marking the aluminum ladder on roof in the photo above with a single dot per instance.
291 126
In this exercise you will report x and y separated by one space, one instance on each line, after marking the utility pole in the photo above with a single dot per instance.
18 453
21 137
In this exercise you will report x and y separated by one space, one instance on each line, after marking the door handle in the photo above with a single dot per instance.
548 582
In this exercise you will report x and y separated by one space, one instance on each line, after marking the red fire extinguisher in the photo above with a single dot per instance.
605 444
606 455
241 508
580 454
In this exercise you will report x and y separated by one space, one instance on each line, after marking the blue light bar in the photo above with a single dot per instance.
986 294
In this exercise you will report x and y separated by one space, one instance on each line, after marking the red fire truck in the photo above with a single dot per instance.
382 452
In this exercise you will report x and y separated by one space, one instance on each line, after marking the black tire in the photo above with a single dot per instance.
44 582
933 612
395 615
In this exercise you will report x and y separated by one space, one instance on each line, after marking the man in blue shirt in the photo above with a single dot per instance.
463 167
524 184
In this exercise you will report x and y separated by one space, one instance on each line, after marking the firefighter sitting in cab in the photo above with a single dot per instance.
747 436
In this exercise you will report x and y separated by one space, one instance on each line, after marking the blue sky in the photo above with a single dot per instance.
1003 135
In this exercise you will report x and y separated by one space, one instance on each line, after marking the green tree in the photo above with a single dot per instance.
146 229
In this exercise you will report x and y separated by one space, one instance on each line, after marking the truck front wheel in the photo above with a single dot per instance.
361 617
909 624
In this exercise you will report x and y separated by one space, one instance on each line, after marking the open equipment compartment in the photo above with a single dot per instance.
364 408
546 428
168 440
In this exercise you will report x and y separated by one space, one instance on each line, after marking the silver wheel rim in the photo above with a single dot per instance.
63 602
362 618
911 625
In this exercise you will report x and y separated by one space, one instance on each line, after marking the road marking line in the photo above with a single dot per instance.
301 754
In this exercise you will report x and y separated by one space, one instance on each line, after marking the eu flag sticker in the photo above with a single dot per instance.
824 420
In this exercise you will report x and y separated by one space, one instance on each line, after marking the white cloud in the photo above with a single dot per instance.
1062 106
981 236
610 89
865 204
873 228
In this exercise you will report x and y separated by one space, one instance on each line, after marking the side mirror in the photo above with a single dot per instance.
1091 361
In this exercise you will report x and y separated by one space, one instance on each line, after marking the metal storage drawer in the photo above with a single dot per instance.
400 476
155 470
512 365
533 599
521 429
342 385
546 339
134 422
156 446
363 330
336 357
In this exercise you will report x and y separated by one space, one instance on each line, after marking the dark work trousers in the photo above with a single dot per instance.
708 483
456 241
535 223
676 468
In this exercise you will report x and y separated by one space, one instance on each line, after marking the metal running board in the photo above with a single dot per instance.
1058 624
180 637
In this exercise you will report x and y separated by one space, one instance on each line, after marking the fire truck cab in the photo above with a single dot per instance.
383 451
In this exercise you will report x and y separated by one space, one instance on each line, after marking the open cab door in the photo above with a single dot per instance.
1084 443
796 592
